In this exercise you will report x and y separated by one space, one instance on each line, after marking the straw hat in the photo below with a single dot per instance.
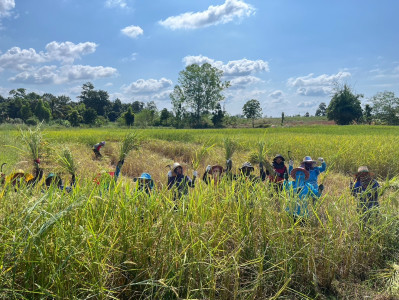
363 170
247 165
279 156
308 159
299 169
215 168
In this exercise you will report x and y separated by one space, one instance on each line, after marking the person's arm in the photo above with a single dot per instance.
205 177
262 173
171 180
290 166
118 169
323 166
38 174
191 183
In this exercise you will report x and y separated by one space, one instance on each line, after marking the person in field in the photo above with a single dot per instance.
55 179
365 189
314 171
278 174
180 182
144 183
300 192
214 173
96 149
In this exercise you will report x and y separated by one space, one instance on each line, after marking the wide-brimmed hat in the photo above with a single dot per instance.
279 156
299 169
53 177
175 166
216 167
146 177
247 165
363 170
308 159
102 143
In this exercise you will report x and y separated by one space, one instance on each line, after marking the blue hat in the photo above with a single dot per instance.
145 176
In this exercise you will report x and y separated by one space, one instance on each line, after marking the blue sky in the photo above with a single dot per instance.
288 54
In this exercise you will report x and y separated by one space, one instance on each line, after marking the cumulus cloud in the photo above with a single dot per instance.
6 6
116 3
132 31
214 15
307 104
67 52
316 86
242 67
20 59
276 94
243 81
148 86
24 59
65 74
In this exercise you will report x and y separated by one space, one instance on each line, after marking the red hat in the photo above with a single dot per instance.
299 169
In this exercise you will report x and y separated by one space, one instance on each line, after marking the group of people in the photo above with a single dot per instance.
302 190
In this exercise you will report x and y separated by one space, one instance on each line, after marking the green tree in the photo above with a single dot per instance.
321 111
129 117
217 117
165 116
252 110
42 112
386 107
97 100
367 117
344 107
74 118
89 116
200 89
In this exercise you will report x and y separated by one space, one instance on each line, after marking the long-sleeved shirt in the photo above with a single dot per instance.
368 196
313 174
181 182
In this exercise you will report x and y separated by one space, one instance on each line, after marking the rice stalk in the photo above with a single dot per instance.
33 140
66 161
200 154
230 146
130 141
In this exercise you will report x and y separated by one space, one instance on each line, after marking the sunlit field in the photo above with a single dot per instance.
228 241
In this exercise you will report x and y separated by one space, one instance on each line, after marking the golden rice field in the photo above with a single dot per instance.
231 241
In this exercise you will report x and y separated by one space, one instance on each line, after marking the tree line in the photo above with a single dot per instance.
196 102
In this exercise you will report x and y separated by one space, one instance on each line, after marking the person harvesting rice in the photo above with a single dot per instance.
96 149
314 171
179 181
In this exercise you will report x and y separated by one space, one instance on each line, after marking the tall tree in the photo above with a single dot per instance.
42 112
321 111
200 89
367 114
344 107
252 110
129 116
97 100
386 107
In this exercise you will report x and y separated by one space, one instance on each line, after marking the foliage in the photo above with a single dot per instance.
66 160
89 116
386 107
321 110
252 110
201 153
75 118
230 146
33 139
129 117
199 90
344 107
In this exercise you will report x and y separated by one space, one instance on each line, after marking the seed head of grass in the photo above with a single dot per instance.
130 142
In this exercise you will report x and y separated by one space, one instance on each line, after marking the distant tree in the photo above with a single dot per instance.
74 118
367 114
42 112
321 110
386 107
282 118
165 117
217 117
89 116
129 117
200 89
252 110
344 107
307 115
97 100
137 106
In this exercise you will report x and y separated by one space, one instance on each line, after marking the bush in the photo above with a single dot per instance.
32 121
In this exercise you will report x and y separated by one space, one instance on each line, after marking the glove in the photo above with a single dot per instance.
195 174
37 161
208 168
291 163
321 187
170 174
351 185
229 164
320 159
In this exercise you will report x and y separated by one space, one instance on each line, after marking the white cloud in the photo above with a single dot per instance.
316 86
243 81
276 94
67 52
220 14
132 31
20 59
115 3
24 59
132 57
148 86
242 67
307 104
65 74
5 7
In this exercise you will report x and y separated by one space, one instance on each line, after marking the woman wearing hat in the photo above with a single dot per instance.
213 173
310 165
299 193
96 149
144 183
181 182
365 189
280 171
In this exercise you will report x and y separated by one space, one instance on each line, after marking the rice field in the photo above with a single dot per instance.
228 241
